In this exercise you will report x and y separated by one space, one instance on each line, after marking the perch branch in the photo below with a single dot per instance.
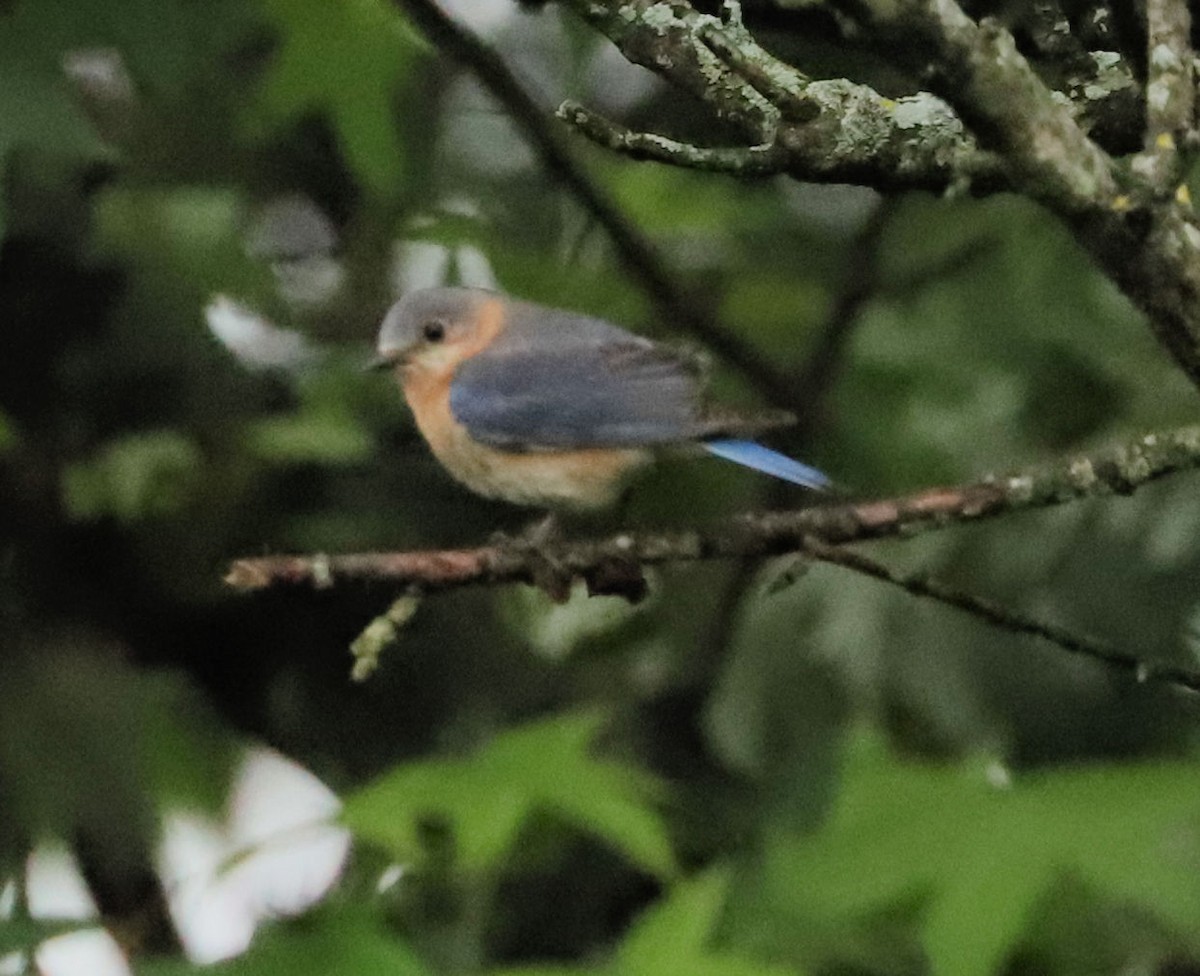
1118 471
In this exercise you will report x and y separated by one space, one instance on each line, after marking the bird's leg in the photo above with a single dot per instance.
621 509
536 534
549 575
618 576
542 531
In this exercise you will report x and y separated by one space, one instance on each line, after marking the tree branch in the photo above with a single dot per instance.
1170 92
978 69
1118 471
1029 140
859 284
822 131
1083 54
1147 243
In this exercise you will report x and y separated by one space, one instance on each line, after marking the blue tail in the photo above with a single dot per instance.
770 462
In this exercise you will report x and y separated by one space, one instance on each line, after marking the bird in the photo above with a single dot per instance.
553 409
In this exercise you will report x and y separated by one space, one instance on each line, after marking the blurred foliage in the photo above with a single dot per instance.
674 938
981 853
308 76
757 770
545 767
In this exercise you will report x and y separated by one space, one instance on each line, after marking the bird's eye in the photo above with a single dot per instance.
434 331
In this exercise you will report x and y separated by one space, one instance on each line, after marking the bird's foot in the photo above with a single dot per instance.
548 574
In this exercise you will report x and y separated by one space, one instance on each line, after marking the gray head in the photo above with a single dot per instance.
433 319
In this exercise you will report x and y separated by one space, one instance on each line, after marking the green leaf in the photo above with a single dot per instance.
673 200
35 106
677 935
188 755
192 235
312 73
674 937
543 767
165 45
980 855
137 477
545 970
680 925
36 111
310 437
73 748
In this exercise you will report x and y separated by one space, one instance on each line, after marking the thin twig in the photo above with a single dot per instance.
860 281
889 157
942 268
747 162
1005 618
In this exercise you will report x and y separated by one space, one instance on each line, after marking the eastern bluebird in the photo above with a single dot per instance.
549 408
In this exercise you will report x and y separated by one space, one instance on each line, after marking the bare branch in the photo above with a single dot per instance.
1082 54
1118 471
912 143
859 284
368 647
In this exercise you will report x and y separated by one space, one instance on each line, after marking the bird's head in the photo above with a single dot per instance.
437 328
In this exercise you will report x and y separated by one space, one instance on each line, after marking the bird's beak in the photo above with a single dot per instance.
383 361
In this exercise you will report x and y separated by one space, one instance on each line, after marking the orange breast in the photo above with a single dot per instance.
578 479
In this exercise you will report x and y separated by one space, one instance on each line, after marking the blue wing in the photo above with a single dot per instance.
763 459
609 394
626 393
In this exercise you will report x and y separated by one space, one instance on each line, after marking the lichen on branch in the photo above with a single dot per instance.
824 131
991 123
